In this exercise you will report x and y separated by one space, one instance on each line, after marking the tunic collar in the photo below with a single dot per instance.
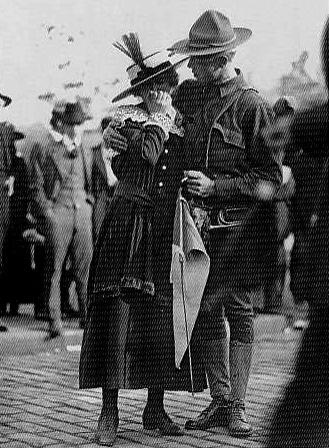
232 85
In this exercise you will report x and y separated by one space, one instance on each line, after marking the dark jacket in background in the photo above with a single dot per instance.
302 418
101 190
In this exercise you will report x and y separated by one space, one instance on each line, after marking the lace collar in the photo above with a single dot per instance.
135 113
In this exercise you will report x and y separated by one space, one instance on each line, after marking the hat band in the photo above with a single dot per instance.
213 44
146 72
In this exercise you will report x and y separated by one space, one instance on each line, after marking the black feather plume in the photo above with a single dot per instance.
131 48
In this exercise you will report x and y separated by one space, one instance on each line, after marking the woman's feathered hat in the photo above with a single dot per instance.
144 68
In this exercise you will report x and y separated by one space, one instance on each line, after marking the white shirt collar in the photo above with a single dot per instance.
69 143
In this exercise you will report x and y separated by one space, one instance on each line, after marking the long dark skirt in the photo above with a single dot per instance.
131 346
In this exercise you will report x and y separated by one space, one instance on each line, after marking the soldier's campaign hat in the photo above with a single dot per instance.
211 33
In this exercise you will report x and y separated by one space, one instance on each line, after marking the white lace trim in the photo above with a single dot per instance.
134 113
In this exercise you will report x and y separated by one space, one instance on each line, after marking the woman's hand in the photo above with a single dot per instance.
114 140
159 102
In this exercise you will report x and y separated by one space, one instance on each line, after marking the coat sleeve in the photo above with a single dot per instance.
265 164
39 202
152 141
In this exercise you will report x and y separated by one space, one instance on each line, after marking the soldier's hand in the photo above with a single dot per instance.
114 140
199 184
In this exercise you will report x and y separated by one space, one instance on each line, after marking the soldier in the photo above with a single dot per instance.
229 174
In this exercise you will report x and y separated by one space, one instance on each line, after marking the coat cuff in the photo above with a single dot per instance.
162 121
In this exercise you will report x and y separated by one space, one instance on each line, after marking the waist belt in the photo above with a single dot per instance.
133 193
227 216
221 215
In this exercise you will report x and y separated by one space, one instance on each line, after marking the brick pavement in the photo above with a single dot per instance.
41 406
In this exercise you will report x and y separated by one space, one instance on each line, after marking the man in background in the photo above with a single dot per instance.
62 203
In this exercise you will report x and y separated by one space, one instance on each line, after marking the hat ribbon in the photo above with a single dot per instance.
149 71
196 45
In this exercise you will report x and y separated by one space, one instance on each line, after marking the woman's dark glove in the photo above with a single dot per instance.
114 140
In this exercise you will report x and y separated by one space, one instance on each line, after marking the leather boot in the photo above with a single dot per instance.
108 421
240 362
155 416
160 420
214 415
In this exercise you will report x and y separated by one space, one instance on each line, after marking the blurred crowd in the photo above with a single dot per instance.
30 190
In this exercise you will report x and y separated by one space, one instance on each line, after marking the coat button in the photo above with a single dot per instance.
166 151
160 184
164 167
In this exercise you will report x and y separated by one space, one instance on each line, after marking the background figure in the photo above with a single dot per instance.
302 418
5 187
275 282
227 164
16 251
62 204
103 182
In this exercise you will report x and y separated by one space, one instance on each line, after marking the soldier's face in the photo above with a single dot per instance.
206 68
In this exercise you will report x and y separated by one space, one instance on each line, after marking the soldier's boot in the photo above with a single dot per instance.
240 362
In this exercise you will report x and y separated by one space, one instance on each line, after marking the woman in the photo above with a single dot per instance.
118 347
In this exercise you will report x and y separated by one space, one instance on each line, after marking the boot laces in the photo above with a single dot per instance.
214 403
238 410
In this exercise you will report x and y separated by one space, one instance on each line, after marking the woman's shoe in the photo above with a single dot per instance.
107 429
159 419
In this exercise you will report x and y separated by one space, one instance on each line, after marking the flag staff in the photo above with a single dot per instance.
181 260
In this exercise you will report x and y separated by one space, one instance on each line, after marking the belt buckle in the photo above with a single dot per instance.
223 222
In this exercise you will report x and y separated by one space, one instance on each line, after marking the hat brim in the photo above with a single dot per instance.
183 46
76 121
6 100
18 135
132 89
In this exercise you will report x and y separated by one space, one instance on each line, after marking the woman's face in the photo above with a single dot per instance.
157 87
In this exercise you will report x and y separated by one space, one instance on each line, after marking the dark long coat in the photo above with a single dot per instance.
128 341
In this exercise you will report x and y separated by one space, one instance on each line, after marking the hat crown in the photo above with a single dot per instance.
71 112
211 28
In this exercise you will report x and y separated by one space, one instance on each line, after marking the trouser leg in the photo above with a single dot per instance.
82 249
59 234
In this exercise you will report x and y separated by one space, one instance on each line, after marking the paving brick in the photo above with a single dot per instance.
49 410
32 440
27 427
61 436
15 444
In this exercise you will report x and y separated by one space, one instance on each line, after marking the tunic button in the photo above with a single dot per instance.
166 151
164 167
160 184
